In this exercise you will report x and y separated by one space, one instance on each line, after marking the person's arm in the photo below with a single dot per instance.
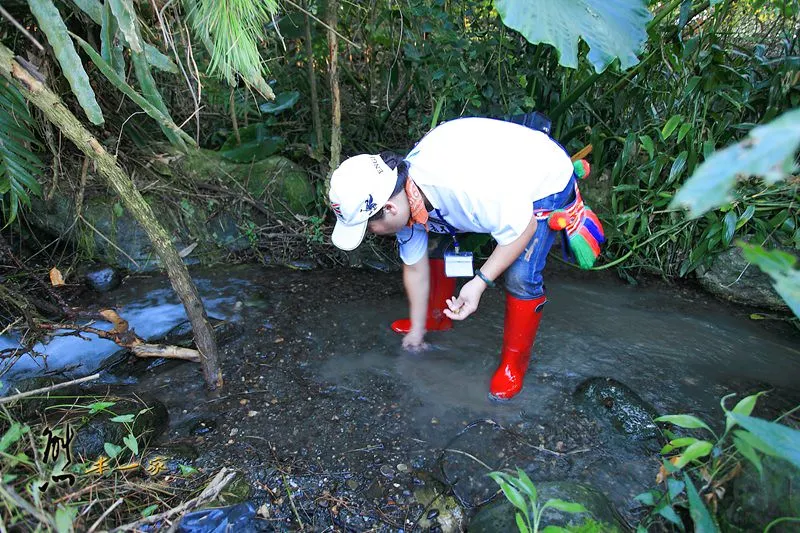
501 258
416 280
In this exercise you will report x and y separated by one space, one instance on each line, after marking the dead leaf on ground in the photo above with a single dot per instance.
56 279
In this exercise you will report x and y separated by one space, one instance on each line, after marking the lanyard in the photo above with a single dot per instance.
450 229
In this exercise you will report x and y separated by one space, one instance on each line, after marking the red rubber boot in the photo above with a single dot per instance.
441 288
519 332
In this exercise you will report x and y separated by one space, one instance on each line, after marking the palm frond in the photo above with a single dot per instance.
232 29
19 164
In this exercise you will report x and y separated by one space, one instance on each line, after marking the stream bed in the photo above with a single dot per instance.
335 426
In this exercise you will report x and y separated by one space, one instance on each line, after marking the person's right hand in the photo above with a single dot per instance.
414 340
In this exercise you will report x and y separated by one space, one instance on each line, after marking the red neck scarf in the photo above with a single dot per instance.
419 213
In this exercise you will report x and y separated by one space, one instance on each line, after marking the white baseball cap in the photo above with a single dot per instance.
360 187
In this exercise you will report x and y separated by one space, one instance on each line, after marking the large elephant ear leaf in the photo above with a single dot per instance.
612 28
53 26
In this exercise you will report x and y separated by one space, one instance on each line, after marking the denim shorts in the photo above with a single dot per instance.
523 279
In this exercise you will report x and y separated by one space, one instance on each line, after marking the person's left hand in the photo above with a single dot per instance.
467 301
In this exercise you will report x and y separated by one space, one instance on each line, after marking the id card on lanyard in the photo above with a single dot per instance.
457 264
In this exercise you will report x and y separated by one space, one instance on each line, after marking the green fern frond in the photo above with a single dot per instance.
232 29
19 165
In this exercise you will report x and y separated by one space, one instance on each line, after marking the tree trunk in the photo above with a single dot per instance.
54 110
312 82
336 105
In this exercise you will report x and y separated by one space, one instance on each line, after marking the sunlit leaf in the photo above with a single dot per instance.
12 435
684 421
694 451
122 419
670 126
612 28
565 507
768 151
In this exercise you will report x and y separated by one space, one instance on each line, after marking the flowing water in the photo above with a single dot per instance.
318 386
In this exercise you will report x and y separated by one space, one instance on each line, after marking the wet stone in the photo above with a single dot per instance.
202 426
352 484
433 513
182 335
614 402
103 279
387 471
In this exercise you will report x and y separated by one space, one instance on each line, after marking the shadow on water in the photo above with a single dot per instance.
317 376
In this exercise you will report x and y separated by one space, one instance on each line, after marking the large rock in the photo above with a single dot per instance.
755 500
116 238
275 180
500 514
615 403
732 278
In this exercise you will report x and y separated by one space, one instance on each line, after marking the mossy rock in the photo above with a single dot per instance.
756 499
276 180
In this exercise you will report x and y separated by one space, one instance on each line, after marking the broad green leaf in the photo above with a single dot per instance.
12 435
677 166
64 518
126 19
684 421
521 525
612 28
703 523
669 513
99 406
746 216
554 529
158 60
187 470
527 485
112 449
748 452
683 131
755 442
131 443
150 509
53 26
780 266
696 450
784 440
730 227
647 498
565 507
677 443
675 487
670 126
647 144
122 419
768 151
514 496
282 102
93 8
110 47
745 406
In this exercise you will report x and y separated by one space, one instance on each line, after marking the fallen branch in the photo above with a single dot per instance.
48 389
213 489
122 335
